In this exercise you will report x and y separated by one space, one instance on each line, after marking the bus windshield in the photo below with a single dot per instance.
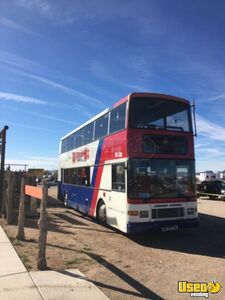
160 178
157 113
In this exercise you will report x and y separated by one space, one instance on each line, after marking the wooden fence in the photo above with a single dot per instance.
20 194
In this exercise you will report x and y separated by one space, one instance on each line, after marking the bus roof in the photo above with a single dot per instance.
157 95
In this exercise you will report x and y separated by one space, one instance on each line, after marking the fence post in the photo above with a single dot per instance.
42 224
5 197
10 194
20 234
2 169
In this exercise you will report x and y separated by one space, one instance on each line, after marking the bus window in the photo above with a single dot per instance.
88 133
150 113
80 138
118 177
70 176
70 142
117 118
77 176
101 126
84 176
155 178
65 175
63 147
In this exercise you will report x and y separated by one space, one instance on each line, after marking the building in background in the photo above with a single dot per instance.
210 175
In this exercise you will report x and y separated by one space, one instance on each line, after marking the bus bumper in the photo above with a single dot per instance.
158 225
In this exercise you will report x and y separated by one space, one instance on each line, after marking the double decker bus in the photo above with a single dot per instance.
133 166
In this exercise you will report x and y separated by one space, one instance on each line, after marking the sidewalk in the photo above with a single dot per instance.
19 284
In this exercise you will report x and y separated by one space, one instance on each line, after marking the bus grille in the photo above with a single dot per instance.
167 213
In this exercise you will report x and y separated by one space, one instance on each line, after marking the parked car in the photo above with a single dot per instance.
215 187
52 183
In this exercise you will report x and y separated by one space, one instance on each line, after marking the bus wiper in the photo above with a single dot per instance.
156 126
175 127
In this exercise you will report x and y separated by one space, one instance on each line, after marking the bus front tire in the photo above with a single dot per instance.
101 212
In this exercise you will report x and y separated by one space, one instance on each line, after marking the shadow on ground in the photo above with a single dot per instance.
208 239
141 291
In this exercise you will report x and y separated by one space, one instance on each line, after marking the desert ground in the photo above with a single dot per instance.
142 266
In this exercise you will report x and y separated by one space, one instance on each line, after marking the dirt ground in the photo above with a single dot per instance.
146 266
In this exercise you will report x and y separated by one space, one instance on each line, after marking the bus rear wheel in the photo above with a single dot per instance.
101 212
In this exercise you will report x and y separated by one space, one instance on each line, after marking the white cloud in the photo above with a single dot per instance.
44 159
51 117
210 164
47 163
42 115
76 11
20 98
211 152
210 146
209 129
42 6
13 25
19 63
66 89
16 124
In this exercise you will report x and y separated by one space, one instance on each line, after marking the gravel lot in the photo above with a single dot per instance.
146 266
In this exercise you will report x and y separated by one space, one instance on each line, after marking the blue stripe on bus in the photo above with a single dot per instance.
77 195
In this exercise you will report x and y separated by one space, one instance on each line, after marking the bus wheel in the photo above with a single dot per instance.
65 199
101 212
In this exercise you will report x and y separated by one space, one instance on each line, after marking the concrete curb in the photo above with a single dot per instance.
19 284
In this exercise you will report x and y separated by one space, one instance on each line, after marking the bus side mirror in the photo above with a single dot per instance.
194 119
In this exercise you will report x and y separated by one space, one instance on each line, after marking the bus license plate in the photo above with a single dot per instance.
169 228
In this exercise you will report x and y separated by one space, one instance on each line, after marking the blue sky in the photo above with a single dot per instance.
62 62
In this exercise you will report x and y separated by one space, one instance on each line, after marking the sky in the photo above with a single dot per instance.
62 62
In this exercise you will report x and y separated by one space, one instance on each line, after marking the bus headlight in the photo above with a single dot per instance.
144 214
190 210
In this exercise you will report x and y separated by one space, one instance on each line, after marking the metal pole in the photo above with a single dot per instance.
3 137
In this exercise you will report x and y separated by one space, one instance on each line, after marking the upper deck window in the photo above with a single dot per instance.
79 137
157 113
117 118
88 133
101 126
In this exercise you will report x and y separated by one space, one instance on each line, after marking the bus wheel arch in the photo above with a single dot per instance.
101 211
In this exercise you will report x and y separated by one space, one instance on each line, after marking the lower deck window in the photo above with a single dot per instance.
77 176
118 177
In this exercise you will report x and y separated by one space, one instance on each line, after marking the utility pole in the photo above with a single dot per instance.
2 152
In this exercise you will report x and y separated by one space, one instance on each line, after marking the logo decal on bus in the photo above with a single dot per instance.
80 156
